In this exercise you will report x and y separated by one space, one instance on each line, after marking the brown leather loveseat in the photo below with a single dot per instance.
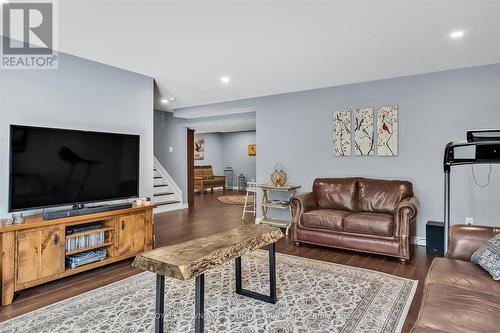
459 296
368 215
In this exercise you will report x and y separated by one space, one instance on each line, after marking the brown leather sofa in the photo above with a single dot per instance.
459 296
368 215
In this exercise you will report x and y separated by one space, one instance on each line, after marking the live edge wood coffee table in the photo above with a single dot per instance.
192 259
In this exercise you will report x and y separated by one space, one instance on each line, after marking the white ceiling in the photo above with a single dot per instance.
270 47
221 124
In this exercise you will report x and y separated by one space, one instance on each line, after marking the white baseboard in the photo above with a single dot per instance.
420 241
169 208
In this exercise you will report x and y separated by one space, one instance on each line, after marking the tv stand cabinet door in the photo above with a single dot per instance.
40 254
139 233
131 234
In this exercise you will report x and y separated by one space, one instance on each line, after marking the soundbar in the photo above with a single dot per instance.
84 211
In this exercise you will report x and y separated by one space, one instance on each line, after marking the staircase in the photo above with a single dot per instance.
166 194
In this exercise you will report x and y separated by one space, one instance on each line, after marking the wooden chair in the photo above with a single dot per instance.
204 179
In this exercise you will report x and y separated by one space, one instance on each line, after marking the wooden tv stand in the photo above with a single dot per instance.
34 252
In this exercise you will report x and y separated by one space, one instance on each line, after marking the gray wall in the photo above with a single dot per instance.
223 149
172 132
296 130
235 148
214 154
80 94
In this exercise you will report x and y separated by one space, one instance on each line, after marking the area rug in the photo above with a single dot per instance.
313 296
235 199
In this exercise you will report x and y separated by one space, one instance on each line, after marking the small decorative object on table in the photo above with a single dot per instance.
242 182
17 218
7 221
278 177
143 202
228 173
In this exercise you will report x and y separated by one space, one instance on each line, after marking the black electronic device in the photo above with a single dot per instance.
481 147
476 152
483 135
79 259
57 167
84 211
434 234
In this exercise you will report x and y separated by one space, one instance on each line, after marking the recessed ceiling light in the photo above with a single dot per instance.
166 100
225 79
457 34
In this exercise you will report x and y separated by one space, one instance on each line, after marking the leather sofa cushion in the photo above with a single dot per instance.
324 219
378 224
459 310
462 274
336 193
382 196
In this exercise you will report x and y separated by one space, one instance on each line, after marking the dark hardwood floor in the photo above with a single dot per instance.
207 217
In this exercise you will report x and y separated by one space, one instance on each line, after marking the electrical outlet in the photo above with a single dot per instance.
469 220
170 149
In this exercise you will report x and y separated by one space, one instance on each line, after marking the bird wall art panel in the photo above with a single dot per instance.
364 135
387 131
199 149
342 133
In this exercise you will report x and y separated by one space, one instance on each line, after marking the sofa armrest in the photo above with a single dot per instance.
466 239
302 203
405 224
407 209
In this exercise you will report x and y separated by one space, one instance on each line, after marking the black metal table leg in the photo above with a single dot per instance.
272 273
160 303
199 304
271 298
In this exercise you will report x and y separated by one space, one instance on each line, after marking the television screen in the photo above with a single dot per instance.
55 167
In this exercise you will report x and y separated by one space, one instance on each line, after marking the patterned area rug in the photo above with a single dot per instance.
236 199
313 296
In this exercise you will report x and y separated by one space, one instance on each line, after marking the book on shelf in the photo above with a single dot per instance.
89 240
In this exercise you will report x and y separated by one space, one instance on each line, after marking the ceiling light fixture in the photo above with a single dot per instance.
225 79
166 100
457 34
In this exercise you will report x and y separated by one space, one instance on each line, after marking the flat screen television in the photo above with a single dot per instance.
57 167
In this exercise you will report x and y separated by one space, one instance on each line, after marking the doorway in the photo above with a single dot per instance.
190 167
